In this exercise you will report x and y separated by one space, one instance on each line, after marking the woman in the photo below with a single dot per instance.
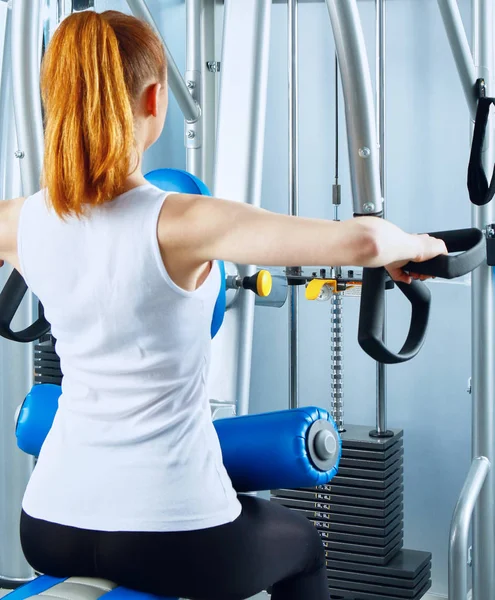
130 484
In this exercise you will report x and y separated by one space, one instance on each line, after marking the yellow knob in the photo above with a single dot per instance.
264 283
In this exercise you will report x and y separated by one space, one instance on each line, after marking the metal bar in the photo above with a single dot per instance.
7 131
459 529
27 105
190 109
460 49
292 22
25 56
483 348
194 138
238 176
360 118
201 74
381 369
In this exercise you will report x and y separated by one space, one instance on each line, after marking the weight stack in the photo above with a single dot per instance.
47 362
360 517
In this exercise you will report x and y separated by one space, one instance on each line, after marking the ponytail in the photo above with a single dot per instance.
88 99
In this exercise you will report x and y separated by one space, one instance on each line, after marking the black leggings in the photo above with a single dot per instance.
266 546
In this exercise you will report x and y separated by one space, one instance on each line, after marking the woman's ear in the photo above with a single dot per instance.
152 98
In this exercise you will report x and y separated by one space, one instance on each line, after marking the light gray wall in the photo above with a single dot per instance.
427 147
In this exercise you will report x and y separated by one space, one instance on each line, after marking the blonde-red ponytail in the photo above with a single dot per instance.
93 71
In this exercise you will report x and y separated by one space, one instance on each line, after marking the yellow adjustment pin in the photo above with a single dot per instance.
264 283
315 287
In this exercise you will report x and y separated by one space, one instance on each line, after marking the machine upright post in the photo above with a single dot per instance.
483 323
360 117
238 176
201 74
293 304
459 530
17 467
381 369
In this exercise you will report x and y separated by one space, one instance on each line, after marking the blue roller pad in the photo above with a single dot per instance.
176 180
220 304
36 417
268 451
182 182
37 586
260 452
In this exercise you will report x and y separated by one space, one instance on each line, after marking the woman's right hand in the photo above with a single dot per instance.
396 248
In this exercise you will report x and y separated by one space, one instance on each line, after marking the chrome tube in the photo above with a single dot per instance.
459 529
16 467
483 323
381 369
189 107
460 49
293 64
201 79
27 102
360 117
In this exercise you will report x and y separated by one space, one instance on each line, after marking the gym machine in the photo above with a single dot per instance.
241 179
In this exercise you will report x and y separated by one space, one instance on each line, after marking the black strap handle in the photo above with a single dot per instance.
372 315
10 300
480 192
470 242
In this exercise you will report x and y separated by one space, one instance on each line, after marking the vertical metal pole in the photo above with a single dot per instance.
461 51
459 529
194 137
201 74
381 369
238 176
483 322
17 467
360 117
293 304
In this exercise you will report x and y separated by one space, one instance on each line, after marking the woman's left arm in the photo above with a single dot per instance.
9 222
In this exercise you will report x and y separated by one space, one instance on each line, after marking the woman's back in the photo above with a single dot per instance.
132 446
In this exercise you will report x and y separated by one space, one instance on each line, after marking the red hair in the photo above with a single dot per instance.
94 70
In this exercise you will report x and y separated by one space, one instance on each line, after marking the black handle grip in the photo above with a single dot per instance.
10 300
372 315
471 242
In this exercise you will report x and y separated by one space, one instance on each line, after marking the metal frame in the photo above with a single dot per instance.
358 95
238 175
470 68
25 60
201 80
380 30
459 530
293 299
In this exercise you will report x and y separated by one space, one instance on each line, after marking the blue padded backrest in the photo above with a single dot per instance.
182 182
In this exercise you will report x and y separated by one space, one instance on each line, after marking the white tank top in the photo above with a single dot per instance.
133 447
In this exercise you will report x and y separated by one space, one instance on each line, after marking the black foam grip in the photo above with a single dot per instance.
10 300
471 244
372 315
480 191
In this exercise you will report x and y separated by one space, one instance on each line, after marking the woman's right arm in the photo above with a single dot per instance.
199 229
